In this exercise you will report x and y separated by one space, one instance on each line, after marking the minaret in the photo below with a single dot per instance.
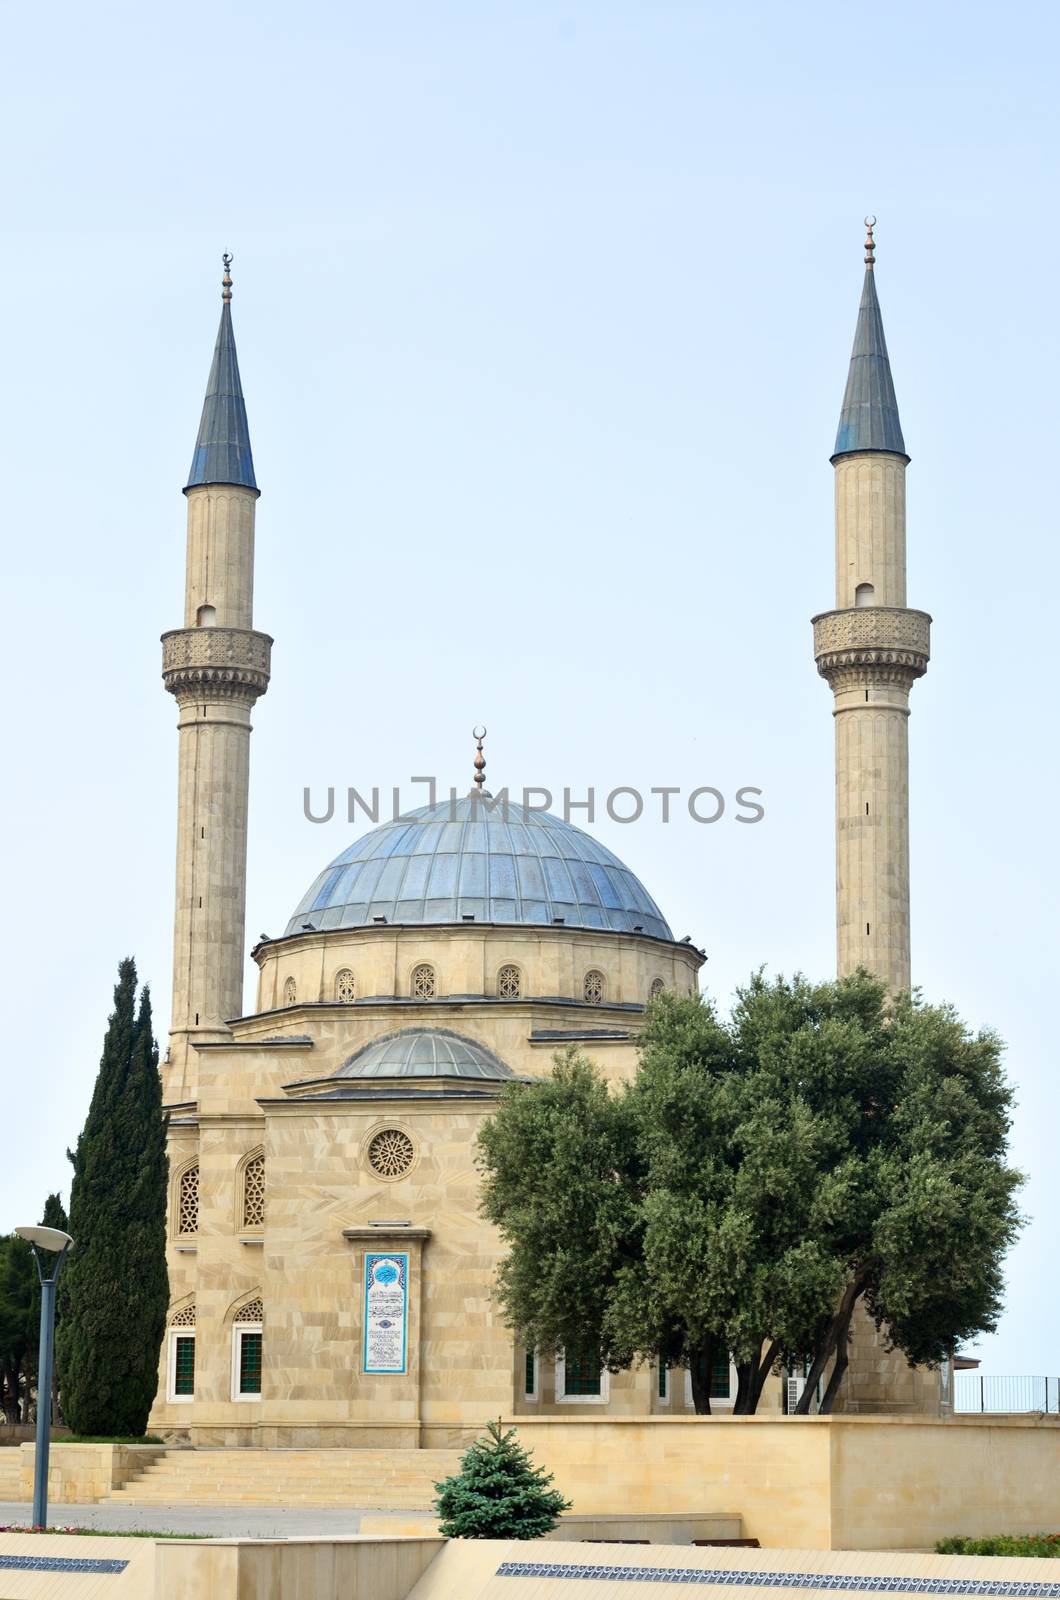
870 649
216 666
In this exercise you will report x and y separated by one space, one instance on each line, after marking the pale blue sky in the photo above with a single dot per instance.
544 315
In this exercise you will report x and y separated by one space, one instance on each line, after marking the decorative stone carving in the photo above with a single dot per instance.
254 1193
391 1153
230 663
184 1318
423 982
881 644
188 1202
509 982
593 987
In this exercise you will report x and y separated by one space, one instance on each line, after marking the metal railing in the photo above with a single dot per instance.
974 1391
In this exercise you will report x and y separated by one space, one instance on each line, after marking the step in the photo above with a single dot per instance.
399 1480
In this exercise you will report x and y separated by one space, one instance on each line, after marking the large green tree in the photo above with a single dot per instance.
759 1177
17 1278
115 1289
20 1316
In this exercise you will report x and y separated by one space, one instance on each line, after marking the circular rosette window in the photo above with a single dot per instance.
391 1153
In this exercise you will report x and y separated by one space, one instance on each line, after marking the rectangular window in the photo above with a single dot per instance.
719 1375
184 1364
720 1378
581 1372
250 1363
664 1385
530 1376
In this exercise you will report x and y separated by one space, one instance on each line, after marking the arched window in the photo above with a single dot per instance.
345 989
246 1350
865 594
254 1193
290 993
181 1363
509 982
423 984
188 1201
206 616
658 987
594 987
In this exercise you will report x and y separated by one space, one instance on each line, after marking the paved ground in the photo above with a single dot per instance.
259 1522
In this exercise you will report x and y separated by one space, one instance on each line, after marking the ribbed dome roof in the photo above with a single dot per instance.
424 1053
447 862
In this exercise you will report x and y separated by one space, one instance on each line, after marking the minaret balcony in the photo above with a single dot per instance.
226 662
885 643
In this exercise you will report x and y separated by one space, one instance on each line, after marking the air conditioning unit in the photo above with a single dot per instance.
793 1393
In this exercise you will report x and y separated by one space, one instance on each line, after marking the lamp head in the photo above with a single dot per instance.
46 1238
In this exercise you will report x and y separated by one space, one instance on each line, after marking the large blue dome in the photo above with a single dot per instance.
449 862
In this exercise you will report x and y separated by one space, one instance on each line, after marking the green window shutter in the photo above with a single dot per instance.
581 1372
250 1363
184 1364
664 1376
530 1378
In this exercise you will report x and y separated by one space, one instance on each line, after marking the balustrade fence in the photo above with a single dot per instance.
974 1391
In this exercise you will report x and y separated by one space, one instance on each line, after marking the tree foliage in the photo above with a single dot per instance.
498 1493
759 1177
115 1290
18 1275
20 1316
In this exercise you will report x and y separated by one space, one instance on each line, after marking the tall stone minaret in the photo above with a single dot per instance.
216 666
870 649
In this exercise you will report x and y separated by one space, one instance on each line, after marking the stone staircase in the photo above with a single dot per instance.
378 1480
10 1473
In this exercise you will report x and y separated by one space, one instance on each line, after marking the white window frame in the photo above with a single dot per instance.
715 1405
238 1330
532 1395
563 1399
172 1396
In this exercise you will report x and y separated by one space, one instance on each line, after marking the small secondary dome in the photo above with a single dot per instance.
424 1053
455 861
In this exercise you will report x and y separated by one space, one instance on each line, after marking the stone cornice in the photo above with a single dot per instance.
387 1230
228 663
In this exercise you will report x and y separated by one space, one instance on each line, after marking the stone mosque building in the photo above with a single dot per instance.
330 1274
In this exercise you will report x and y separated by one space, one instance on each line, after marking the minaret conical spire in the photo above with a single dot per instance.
216 666
869 419
222 449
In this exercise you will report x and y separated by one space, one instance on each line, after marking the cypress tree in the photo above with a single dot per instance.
115 1289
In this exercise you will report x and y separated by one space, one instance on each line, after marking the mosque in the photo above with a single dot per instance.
330 1273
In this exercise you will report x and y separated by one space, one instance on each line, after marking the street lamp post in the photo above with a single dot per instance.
57 1244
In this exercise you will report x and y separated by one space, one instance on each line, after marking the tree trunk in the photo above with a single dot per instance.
841 1359
8 1393
854 1289
745 1376
761 1372
699 1367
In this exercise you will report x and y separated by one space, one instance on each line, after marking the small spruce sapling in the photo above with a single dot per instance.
498 1493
